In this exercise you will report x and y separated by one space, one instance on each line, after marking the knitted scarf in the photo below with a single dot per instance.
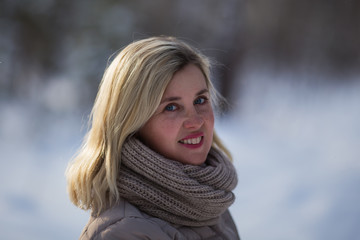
175 192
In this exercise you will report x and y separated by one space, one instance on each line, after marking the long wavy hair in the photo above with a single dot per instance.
130 91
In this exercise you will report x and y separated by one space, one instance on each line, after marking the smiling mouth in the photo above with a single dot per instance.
191 141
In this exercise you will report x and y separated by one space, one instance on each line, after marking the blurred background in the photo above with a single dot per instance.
290 70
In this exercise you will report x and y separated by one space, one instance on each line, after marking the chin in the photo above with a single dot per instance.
196 161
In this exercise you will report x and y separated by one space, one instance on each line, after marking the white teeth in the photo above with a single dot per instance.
191 140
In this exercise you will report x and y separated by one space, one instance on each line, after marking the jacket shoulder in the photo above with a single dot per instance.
125 221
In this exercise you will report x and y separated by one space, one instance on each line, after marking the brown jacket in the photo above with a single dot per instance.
126 222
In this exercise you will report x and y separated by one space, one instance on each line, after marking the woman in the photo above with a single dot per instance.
151 165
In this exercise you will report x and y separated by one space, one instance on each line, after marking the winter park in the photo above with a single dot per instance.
292 123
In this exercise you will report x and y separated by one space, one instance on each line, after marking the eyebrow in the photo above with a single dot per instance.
170 99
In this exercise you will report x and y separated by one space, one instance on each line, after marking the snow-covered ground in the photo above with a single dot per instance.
296 148
297 151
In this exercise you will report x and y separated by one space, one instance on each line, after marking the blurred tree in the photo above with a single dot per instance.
322 34
42 39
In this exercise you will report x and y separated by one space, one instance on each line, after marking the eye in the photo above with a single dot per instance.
200 100
171 107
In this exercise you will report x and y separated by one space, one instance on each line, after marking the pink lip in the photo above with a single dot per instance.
193 146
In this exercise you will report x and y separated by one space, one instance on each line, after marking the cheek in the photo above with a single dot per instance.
209 117
159 130
163 137
170 128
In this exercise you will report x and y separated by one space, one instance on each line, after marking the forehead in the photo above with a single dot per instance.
186 81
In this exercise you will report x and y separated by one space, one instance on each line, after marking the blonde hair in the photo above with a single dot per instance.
130 92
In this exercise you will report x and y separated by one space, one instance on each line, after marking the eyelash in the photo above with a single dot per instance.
204 100
170 105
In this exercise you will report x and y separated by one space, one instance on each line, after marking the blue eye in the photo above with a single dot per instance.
200 100
170 108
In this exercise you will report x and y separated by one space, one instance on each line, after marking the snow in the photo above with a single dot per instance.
295 147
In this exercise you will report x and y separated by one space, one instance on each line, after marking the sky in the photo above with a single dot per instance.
295 146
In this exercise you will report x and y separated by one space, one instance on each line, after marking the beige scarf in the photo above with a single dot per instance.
180 194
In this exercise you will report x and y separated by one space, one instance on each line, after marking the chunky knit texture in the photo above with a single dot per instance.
178 193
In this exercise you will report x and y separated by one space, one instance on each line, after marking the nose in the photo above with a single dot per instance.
193 121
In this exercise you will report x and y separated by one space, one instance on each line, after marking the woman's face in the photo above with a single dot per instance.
182 126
